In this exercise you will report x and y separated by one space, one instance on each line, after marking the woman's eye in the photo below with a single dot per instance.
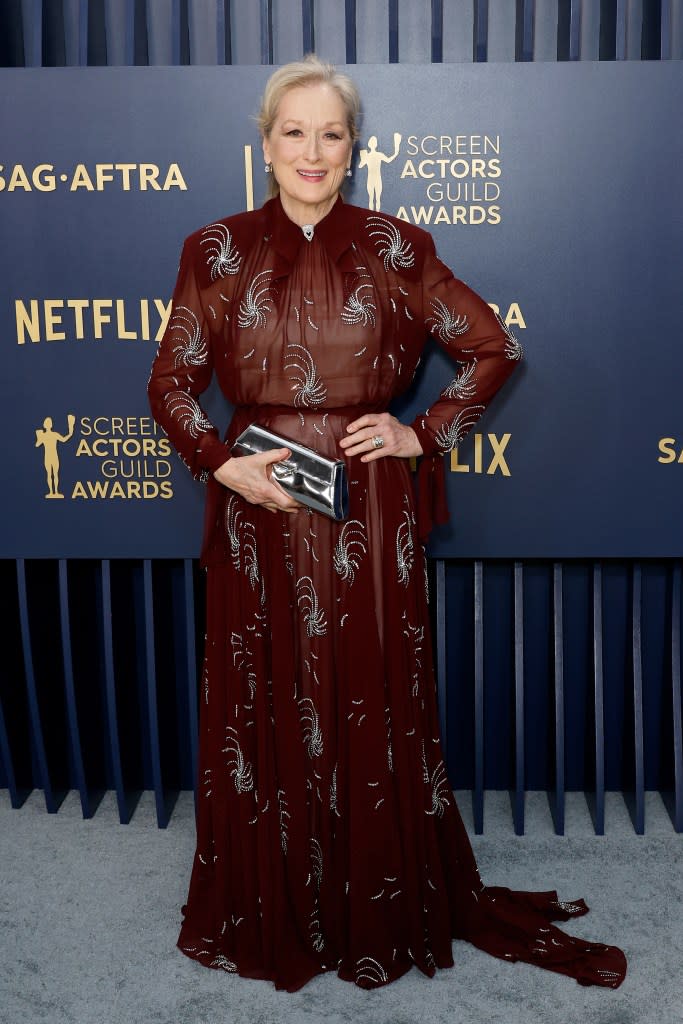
333 136
294 131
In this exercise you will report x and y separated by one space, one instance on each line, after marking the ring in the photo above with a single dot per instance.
377 441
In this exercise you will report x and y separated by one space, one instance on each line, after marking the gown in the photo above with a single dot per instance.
328 837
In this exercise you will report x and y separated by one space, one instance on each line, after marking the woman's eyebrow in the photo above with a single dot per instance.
328 124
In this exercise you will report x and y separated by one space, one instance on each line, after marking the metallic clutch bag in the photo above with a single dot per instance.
314 480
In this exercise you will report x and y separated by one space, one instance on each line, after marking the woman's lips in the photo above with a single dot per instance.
312 175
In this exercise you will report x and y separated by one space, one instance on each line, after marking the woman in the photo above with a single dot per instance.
327 833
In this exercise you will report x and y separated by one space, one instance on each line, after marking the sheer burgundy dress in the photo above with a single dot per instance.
328 837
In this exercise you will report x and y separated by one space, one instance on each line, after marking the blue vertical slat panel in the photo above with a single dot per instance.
331 28
666 30
575 29
675 805
437 32
16 799
52 798
478 793
480 30
191 665
32 20
676 22
458 32
636 800
131 10
202 19
12 34
652 31
502 23
83 33
161 23
524 35
70 13
288 32
634 28
265 35
372 33
96 34
393 27
52 42
70 692
518 795
672 30
308 26
596 800
220 31
152 709
350 31
658 764
441 651
228 32
539 702
545 30
178 23
557 803
590 30
415 31
124 804
609 31
120 25
15 748
620 41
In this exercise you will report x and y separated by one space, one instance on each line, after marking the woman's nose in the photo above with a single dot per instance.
312 146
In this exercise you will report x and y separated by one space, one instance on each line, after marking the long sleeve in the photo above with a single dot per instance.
471 333
181 371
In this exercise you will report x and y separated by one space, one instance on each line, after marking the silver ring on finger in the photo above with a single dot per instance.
377 441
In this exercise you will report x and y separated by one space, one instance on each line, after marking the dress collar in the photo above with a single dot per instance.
335 230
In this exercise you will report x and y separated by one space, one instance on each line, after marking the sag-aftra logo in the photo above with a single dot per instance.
123 177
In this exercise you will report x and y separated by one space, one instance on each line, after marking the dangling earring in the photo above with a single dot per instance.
268 168
348 172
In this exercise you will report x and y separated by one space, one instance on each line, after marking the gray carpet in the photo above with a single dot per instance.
90 911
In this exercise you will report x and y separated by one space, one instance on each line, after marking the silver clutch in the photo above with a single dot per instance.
314 480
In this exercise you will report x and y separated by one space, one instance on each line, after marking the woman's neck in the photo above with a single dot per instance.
305 213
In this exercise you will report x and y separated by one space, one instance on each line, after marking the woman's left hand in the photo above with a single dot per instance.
399 440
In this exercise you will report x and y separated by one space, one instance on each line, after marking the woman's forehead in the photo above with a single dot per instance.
305 102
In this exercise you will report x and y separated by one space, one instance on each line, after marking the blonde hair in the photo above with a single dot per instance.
309 71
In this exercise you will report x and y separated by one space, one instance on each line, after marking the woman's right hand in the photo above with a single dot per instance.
250 476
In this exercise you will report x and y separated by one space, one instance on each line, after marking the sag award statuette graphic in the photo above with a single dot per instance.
373 159
49 439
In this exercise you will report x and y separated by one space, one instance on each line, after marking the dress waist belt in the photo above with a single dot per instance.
259 409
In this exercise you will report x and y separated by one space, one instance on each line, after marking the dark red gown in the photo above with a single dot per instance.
328 837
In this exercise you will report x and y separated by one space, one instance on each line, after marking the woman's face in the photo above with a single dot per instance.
309 147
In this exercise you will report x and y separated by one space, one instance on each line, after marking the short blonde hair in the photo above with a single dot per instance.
309 71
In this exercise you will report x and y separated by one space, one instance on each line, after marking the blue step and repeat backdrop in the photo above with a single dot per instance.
554 190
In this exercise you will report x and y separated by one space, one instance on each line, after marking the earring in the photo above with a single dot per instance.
268 168
348 172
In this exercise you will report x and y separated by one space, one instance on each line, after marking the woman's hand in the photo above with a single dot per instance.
399 440
250 476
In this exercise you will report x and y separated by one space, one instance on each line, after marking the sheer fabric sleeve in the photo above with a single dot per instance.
475 337
181 371
472 334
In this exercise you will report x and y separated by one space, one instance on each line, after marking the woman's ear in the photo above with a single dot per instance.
266 150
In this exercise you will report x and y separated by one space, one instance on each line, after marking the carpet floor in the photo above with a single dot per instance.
90 913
